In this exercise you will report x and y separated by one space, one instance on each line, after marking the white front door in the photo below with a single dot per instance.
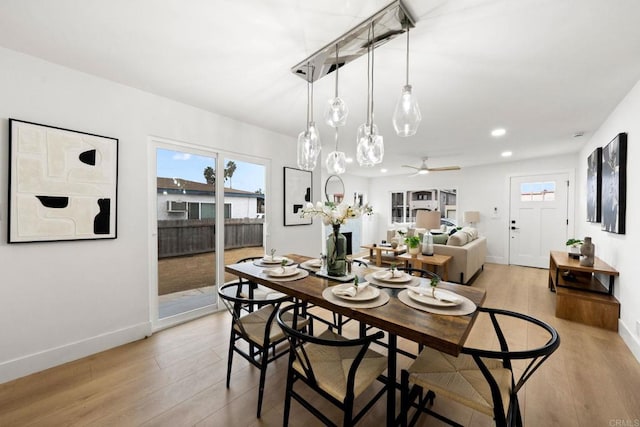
538 218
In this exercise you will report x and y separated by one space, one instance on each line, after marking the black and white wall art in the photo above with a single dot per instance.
62 184
614 184
297 193
594 185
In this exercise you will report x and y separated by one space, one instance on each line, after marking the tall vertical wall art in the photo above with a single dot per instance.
614 184
297 193
62 184
594 185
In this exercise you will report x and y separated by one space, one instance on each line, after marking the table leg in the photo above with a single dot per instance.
445 272
378 258
391 380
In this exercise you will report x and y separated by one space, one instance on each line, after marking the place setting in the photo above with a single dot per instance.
437 301
272 260
313 264
285 273
392 278
355 295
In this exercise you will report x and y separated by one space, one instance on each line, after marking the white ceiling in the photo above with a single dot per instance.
542 69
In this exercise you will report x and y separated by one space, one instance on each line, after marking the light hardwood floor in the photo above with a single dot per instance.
177 377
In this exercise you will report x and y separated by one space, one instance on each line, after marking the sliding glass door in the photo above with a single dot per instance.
186 216
210 209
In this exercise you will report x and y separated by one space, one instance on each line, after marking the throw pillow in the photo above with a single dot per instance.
458 239
440 239
472 232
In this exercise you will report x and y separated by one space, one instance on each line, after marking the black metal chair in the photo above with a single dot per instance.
481 379
339 369
256 327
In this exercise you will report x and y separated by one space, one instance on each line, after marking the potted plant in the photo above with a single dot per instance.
413 244
573 246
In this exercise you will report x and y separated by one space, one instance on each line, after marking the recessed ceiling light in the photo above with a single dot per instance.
349 159
506 154
383 170
498 132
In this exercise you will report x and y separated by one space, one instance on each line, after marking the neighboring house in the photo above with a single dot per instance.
183 199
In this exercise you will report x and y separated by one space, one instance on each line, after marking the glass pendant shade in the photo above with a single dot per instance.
336 163
370 148
406 116
337 112
309 148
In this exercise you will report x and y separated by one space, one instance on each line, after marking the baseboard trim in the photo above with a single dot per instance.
495 260
29 364
629 339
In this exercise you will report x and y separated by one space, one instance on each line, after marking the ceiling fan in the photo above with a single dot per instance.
424 169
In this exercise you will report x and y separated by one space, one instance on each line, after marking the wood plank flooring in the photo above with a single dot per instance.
177 377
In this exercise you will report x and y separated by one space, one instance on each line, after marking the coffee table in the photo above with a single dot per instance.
375 251
435 260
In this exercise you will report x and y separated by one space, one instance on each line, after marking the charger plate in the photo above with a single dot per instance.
467 306
380 300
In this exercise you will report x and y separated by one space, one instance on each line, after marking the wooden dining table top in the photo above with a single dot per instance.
446 333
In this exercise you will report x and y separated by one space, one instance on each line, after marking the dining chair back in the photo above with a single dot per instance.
480 378
337 368
256 327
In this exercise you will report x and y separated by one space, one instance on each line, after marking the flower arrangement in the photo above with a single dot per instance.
335 214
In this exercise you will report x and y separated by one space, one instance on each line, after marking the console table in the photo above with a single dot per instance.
580 295
435 260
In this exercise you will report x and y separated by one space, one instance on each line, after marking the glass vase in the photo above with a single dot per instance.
336 253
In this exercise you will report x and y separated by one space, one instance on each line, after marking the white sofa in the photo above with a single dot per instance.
467 259
468 251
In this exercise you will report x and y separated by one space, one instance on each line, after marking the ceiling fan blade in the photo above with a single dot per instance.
412 167
445 168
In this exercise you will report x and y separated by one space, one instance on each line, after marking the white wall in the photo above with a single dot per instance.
620 251
61 301
480 189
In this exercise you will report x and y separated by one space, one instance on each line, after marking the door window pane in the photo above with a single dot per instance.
538 191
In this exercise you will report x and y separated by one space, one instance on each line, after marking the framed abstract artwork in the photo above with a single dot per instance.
594 185
297 193
62 184
614 184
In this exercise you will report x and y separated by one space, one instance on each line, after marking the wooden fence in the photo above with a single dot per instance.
193 236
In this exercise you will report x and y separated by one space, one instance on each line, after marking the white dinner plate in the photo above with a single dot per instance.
364 294
429 300
385 276
315 263
275 260
281 272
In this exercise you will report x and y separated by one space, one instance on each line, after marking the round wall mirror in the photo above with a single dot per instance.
334 189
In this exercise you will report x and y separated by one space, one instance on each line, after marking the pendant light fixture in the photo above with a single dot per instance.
337 110
336 160
406 116
309 144
370 148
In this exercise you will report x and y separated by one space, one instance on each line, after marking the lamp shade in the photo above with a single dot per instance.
428 219
472 217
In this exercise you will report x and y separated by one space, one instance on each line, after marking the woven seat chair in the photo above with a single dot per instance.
480 379
339 369
257 328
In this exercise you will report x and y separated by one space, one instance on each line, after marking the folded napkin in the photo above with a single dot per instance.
442 296
280 271
390 275
346 291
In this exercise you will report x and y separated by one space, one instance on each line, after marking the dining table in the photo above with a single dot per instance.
443 332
